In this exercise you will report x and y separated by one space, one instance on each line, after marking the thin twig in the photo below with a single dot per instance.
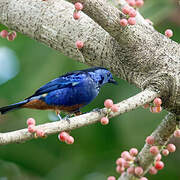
161 135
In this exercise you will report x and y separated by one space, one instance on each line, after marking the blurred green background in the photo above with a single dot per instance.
96 147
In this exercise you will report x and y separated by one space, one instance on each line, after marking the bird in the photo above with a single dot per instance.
68 93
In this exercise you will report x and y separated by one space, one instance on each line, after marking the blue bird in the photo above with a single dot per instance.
67 93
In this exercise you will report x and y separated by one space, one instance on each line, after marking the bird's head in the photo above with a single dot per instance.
102 76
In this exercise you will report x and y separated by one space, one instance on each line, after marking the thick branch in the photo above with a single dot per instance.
108 16
154 56
162 135
52 23
79 121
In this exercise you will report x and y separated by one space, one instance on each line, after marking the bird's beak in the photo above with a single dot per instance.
113 81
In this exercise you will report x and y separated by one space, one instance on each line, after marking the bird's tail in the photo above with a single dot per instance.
5 109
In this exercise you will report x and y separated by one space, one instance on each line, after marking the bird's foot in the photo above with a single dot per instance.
77 113
59 116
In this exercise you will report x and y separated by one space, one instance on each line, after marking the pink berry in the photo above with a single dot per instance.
126 9
138 171
139 3
31 128
145 106
108 103
14 34
126 164
149 21
154 150
132 12
169 33
130 170
76 15
131 2
171 147
111 178
152 170
120 161
104 121
150 140
10 37
4 33
69 140
159 165
78 6
120 169
177 133
40 133
156 109
114 108
165 152
132 21
31 121
143 178
63 136
125 155
158 157
157 101
123 22
79 44
133 151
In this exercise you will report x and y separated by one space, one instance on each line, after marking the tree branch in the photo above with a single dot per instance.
108 16
79 121
162 135
52 23
138 54
148 53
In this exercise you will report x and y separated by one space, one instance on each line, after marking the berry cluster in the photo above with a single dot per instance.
130 12
65 137
9 35
154 150
154 107
108 103
126 163
78 7
33 129
127 160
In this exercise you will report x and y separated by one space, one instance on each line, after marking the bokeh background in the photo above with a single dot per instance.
25 65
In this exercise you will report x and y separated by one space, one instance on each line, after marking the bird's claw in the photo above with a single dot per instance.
59 116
